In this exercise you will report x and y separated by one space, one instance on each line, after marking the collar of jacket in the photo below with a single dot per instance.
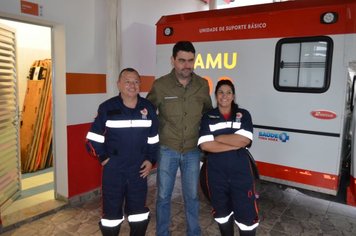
176 81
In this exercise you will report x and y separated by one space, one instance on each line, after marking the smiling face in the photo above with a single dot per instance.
224 97
183 64
129 84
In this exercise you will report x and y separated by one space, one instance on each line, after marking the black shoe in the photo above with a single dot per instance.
138 228
247 233
109 231
227 229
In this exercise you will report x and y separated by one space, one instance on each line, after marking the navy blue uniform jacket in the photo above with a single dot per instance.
128 135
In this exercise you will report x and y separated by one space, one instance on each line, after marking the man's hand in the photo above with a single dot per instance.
145 169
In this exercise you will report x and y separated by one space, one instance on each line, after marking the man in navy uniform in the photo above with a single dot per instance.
124 138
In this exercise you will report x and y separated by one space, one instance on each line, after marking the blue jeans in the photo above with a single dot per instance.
189 164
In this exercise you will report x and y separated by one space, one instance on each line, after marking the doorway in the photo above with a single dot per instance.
37 192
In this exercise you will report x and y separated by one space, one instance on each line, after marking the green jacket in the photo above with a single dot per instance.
180 110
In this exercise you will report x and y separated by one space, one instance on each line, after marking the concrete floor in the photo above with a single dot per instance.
282 212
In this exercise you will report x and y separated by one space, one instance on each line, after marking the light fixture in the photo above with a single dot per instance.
329 18
168 31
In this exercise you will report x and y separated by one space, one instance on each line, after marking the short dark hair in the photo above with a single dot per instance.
185 46
128 69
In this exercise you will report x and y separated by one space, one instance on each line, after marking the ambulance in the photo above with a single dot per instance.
293 64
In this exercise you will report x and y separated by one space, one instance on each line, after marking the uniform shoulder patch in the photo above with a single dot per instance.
144 113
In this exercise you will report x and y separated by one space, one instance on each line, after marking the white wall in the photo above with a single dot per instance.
238 3
138 28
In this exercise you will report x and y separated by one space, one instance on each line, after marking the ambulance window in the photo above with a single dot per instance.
303 64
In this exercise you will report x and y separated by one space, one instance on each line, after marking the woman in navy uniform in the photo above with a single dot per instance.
225 133
124 138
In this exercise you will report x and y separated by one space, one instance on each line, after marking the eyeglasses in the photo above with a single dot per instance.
227 93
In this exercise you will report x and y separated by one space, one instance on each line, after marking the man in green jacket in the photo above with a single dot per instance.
181 98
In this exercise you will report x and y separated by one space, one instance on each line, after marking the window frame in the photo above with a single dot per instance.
328 63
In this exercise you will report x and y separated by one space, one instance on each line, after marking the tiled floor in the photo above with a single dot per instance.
282 212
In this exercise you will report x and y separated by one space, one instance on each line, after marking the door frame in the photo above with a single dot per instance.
58 51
